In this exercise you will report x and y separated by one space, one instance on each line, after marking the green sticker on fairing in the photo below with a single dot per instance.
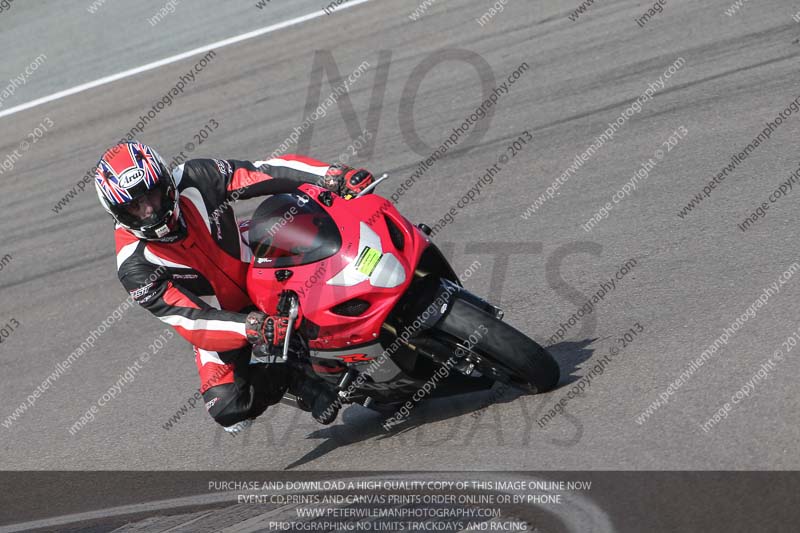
368 260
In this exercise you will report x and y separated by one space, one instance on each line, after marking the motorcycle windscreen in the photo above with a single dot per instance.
290 230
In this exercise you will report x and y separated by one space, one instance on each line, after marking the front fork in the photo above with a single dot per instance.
446 291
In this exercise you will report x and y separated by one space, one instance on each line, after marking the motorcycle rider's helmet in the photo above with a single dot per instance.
135 187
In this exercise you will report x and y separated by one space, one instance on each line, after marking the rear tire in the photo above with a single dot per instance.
529 366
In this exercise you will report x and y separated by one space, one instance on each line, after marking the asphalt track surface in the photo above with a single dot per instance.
693 276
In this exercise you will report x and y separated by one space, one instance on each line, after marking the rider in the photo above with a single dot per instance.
181 256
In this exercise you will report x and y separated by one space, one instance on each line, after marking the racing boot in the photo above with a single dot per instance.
312 395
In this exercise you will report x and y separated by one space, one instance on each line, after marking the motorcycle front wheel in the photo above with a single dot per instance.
497 349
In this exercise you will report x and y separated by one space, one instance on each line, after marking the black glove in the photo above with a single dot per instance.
263 329
346 181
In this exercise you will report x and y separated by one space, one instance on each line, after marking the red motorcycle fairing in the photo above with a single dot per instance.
348 262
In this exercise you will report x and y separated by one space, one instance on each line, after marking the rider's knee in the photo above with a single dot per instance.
228 403
248 396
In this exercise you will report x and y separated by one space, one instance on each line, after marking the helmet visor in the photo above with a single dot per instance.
149 209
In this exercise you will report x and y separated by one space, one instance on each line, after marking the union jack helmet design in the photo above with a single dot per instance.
126 173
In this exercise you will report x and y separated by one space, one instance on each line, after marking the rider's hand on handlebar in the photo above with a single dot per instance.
346 181
265 329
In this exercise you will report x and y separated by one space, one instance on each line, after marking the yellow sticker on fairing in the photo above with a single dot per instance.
368 260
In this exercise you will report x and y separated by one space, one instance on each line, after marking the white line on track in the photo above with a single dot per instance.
172 59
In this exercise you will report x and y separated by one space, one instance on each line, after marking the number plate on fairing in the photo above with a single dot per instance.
368 260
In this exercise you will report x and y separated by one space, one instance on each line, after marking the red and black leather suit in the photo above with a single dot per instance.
200 277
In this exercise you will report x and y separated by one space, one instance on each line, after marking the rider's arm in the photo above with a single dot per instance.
196 321
274 176
226 180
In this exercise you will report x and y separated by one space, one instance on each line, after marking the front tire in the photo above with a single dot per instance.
503 352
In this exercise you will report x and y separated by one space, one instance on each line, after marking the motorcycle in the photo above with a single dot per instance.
374 309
